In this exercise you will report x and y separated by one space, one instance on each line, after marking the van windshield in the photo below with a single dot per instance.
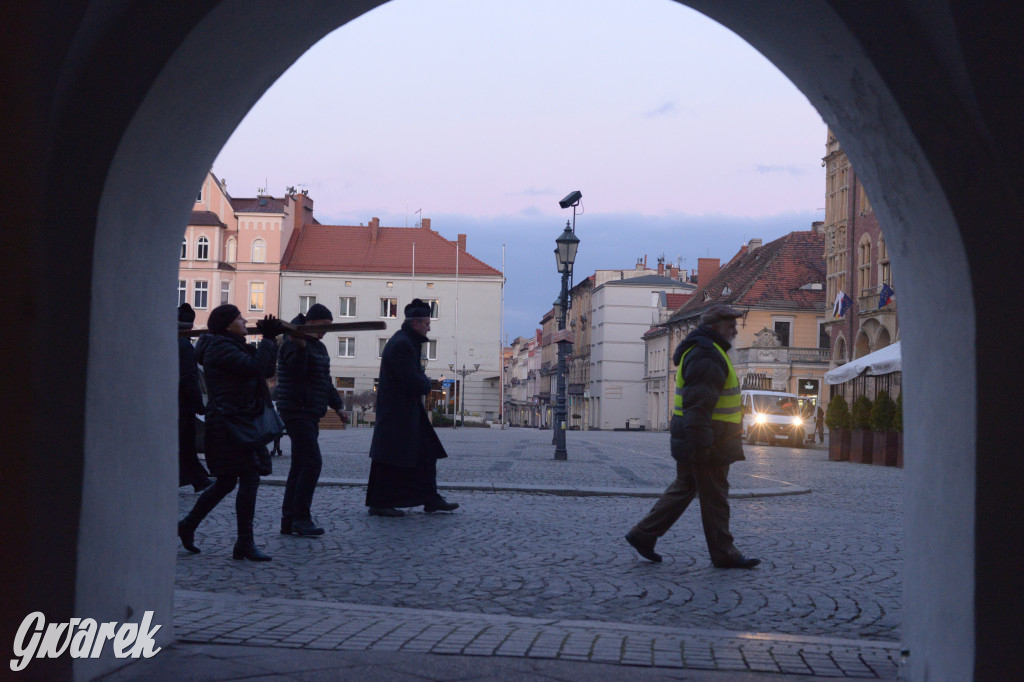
781 404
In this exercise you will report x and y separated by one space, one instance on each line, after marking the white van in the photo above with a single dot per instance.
776 417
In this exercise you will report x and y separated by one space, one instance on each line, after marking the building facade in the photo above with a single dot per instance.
782 341
371 273
622 310
857 265
232 249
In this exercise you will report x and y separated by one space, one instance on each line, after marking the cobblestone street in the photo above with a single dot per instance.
829 535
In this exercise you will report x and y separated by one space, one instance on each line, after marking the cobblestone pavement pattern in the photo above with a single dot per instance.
516 573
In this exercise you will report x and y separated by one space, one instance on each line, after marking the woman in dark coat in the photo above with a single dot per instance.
236 377
405 448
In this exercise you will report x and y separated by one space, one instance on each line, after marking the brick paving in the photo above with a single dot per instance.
548 575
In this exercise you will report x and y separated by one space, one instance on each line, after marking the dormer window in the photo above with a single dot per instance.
707 296
726 291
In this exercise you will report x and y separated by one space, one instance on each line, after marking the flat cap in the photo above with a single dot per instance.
719 312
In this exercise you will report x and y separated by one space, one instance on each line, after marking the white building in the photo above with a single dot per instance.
371 273
622 311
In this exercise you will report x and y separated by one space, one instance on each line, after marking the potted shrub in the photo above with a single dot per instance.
837 418
883 413
861 437
897 426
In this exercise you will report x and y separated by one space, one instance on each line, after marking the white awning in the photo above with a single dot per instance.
881 361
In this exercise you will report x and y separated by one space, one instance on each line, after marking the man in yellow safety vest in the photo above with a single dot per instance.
705 429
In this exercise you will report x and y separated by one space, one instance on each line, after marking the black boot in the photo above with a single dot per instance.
187 533
246 549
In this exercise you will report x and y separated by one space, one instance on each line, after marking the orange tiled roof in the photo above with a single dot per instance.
348 248
769 277
676 301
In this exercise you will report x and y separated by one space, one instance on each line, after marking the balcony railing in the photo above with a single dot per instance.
867 302
782 355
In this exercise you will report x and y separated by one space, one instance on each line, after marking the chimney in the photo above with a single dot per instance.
754 245
707 268
818 227
374 230
462 242
661 267
673 272
425 222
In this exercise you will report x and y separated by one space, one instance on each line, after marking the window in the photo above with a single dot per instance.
225 293
823 339
305 303
864 264
184 249
884 270
346 389
259 251
203 249
182 291
381 342
257 291
432 349
389 307
200 294
347 306
434 308
199 197
346 347
782 331
231 252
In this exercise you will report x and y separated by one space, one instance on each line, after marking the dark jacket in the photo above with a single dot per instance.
696 437
402 434
304 380
236 376
190 398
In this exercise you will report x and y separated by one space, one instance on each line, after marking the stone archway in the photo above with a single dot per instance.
96 168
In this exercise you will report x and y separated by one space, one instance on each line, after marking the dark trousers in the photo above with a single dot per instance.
245 502
711 483
305 469
190 469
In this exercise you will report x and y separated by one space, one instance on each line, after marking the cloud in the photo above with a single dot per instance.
665 109
534 191
795 171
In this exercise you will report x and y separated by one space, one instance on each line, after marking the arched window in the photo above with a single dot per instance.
259 251
184 248
884 270
864 265
203 249
231 251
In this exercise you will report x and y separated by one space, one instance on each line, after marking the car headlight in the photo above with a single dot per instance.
760 419
797 421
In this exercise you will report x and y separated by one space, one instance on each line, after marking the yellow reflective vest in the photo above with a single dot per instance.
727 409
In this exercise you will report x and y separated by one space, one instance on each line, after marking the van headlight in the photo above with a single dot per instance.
797 421
760 419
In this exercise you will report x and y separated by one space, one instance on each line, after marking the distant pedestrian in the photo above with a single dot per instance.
819 424
236 376
304 392
405 448
705 440
190 403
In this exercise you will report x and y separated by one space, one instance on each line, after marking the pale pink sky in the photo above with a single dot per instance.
484 114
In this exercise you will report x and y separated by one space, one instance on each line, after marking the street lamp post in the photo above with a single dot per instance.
462 391
565 256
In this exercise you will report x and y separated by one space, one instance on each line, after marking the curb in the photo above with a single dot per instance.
736 493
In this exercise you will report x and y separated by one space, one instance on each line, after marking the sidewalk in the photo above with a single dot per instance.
523 585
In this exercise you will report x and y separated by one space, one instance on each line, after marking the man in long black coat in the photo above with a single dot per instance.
190 403
405 448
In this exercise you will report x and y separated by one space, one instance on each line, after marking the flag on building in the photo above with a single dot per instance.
842 304
885 295
837 304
